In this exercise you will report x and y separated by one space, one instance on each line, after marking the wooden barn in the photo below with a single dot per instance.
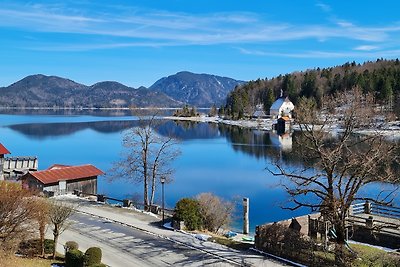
63 179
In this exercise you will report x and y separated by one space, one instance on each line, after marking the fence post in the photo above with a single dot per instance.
367 207
350 212
246 216
369 222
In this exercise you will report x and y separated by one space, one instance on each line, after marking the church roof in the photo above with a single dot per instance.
279 102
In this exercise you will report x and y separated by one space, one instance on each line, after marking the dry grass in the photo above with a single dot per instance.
14 261
369 256
231 243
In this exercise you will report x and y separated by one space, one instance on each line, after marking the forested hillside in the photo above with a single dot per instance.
382 78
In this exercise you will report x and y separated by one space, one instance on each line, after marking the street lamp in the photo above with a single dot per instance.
163 200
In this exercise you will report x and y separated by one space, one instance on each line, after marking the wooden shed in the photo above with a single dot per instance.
283 124
62 179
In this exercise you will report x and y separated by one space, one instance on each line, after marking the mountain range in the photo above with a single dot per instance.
182 88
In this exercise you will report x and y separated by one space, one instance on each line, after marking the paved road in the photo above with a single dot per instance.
126 246
132 238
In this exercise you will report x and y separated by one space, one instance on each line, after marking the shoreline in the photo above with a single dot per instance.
390 130
259 124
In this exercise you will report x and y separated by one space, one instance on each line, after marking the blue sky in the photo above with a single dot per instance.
138 42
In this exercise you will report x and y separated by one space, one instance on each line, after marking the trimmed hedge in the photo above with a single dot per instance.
74 258
188 210
71 245
93 256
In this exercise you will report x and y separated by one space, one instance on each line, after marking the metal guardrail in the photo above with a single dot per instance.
127 203
386 211
376 209
376 225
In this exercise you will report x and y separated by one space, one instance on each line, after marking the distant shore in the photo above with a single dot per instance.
391 129
261 124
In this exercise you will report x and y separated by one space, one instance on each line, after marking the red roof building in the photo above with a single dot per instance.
62 179
3 150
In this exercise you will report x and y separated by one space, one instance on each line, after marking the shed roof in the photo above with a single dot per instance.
3 150
285 118
65 173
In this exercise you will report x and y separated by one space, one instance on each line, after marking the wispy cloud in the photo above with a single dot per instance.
154 28
324 7
366 48
323 54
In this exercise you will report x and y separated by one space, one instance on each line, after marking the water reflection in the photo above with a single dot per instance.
85 112
48 130
257 143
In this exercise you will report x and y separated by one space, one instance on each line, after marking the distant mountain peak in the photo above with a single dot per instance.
201 90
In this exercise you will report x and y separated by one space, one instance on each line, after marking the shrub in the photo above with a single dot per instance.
93 256
71 245
31 247
98 265
188 210
215 212
48 246
74 258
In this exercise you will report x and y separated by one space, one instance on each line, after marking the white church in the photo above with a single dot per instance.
282 107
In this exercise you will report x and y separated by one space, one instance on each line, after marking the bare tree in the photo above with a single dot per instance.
43 219
17 212
147 157
337 167
59 212
216 213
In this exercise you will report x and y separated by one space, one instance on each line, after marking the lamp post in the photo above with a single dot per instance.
163 200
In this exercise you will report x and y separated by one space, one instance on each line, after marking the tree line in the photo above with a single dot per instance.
380 78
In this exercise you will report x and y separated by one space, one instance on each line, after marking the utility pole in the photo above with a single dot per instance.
163 199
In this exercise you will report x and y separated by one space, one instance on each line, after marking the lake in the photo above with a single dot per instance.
228 161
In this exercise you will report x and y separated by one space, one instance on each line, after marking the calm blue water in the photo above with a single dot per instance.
227 161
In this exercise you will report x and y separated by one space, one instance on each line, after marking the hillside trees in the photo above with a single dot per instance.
380 78
337 169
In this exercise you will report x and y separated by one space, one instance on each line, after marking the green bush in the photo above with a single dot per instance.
98 265
188 210
71 245
93 256
48 246
74 258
